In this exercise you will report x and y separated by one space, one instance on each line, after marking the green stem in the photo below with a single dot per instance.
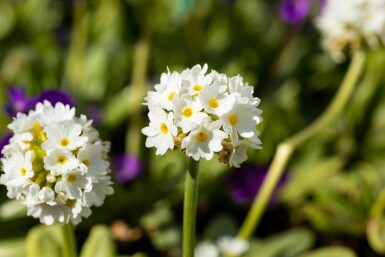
190 207
286 148
69 249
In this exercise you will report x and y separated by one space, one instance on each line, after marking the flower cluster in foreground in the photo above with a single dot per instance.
203 113
353 24
56 164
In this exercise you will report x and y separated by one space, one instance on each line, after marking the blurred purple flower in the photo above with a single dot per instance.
294 11
18 102
245 183
126 167
4 141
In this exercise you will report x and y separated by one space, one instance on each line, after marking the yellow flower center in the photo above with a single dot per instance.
23 171
197 88
65 142
187 112
233 119
71 178
201 136
213 103
86 162
61 159
170 96
163 128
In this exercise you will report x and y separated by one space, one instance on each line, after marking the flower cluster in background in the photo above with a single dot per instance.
56 164
354 24
203 113
225 245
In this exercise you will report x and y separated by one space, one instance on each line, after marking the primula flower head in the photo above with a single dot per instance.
203 114
56 164
351 24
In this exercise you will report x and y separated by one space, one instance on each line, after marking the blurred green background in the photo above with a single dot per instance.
108 53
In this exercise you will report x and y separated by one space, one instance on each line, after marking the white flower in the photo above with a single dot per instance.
195 79
238 154
161 130
204 140
226 245
216 100
352 24
72 184
59 161
232 245
206 249
48 115
187 112
18 169
168 89
91 160
64 135
56 164
95 193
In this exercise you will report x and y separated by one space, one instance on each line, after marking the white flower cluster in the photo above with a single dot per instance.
56 164
352 23
203 114
225 246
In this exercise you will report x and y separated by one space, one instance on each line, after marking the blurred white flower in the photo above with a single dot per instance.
53 165
351 24
204 113
224 246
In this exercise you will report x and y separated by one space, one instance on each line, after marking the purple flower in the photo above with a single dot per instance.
294 11
245 183
126 167
18 102
95 114
4 141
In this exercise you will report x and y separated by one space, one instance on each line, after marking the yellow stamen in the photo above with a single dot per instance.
197 88
71 178
233 119
61 159
86 162
201 136
163 128
187 112
23 171
213 103
170 96
65 142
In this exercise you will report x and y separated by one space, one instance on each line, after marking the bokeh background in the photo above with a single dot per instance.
107 53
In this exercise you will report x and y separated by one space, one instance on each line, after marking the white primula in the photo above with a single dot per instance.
353 24
226 245
168 89
204 140
56 164
207 113
187 112
195 79
161 130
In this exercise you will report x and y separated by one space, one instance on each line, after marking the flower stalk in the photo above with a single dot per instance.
190 207
287 147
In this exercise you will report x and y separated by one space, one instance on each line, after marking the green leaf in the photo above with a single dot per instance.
332 251
44 241
290 243
219 226
99 243
12 248
12 209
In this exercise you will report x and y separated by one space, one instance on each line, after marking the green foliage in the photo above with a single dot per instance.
99 243
44 241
